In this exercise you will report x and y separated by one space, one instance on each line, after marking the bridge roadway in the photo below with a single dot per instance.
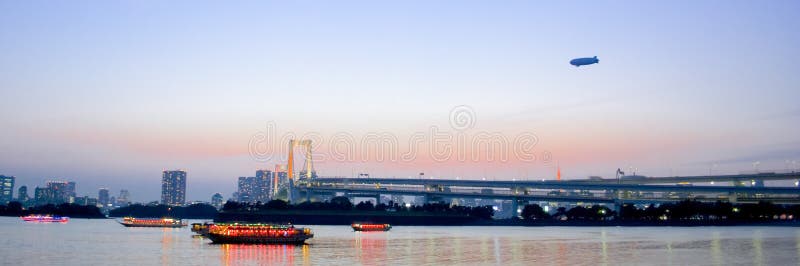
547 184
374 193
699 179
554 191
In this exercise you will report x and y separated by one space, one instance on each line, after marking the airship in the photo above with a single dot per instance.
584 61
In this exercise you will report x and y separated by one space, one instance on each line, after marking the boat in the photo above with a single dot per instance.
152 222
201 228
371 227
257 234
45 218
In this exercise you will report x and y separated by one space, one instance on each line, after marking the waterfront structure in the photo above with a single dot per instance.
22 194
124 198
216 200
6 188
255 188
55 192
102 197
246 187
42 196
86 201
514 193
263 181
173 188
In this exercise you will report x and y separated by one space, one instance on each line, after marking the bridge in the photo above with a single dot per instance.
638 190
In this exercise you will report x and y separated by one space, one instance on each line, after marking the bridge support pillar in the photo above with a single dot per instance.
291 192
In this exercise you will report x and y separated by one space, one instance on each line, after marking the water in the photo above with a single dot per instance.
94 242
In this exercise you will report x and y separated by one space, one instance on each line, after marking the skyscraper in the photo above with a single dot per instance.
255 188
43 195
61 191
22 194
102 197
6 189
173 187
216 200
263 182
124 198
246 189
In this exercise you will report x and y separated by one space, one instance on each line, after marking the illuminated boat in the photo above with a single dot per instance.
45 218
257 234
201 228
152 222
371 227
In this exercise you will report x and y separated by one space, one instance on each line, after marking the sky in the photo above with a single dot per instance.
111 93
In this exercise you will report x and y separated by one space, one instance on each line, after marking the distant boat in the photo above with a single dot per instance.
45 218
370 227
257 234
152 222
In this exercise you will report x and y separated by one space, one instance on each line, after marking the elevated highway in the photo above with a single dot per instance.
640 190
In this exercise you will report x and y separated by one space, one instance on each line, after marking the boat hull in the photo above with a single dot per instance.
371 227
46 219
223 239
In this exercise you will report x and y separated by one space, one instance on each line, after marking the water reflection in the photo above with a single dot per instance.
84 242
370 247
716 252
236 254
758 257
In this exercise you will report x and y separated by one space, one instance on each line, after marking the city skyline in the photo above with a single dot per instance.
682 88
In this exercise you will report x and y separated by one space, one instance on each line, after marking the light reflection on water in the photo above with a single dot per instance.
81 242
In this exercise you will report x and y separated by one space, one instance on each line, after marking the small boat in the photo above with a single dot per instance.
45 218
371 227
201 228
152 222
257 234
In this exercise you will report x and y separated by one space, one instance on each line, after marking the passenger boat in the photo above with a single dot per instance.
371 227
257 234
152 222
45 218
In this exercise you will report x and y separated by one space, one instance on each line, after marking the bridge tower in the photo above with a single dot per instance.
308 165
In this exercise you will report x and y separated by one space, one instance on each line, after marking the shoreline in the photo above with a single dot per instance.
428 219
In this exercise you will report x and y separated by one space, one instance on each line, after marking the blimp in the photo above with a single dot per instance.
584 61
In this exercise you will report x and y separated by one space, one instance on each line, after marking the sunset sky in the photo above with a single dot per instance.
110 93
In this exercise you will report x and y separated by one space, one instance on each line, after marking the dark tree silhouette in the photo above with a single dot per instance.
534 212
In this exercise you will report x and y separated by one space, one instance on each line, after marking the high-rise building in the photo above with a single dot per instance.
262 187
22 194
124 198
255 188
102 197
173 188
61 191
43 195
216 200
6 189
246 189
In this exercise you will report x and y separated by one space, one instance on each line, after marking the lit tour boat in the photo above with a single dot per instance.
371 227
45 218
257 234
152 222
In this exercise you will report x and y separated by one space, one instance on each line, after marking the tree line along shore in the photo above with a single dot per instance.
339 210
